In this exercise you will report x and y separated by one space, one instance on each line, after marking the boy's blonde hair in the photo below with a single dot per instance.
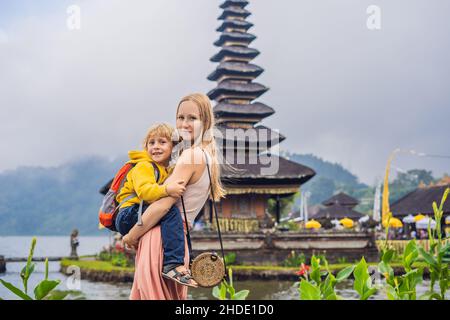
163 130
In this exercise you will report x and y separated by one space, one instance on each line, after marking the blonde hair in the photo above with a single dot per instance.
208 140
163 130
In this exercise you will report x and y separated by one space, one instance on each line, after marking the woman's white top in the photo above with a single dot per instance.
196 195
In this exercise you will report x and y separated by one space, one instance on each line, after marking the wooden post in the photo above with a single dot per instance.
2 264
278 209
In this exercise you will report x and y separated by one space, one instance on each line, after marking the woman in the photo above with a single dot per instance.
195 124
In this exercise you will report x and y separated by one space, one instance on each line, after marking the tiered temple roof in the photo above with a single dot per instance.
235 108
337 211
337 207
341 198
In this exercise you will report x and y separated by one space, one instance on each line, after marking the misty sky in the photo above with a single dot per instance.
341 91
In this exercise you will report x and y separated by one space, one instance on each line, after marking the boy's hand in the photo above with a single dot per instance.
175 189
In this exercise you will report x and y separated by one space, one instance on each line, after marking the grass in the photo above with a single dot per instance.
95 265
106 266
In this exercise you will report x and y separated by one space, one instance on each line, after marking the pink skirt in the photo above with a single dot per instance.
148 282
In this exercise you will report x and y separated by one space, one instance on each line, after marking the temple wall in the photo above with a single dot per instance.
248 206
259 248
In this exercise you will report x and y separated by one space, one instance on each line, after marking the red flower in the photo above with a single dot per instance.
303 269
119 247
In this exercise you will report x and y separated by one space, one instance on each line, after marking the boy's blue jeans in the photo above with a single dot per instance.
172 231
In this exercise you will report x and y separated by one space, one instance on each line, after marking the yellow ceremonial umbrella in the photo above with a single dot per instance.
395 223
313 224
346 222
419 217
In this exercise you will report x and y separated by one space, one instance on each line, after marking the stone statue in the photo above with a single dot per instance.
74 244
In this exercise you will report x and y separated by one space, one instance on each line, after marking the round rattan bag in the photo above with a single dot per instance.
208 269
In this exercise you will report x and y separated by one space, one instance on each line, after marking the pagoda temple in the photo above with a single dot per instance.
245 143
338 206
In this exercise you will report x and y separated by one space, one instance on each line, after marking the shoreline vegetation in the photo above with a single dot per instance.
105 271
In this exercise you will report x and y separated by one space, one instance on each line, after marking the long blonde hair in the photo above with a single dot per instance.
208 140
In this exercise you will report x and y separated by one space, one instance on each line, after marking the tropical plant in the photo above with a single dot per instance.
403 287
313 287
434 257
226 291
44 289
363 283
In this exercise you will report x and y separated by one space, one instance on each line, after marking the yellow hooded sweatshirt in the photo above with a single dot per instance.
141 180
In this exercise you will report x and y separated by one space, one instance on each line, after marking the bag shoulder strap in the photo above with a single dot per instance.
215 211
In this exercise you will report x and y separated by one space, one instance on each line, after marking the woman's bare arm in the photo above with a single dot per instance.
184 170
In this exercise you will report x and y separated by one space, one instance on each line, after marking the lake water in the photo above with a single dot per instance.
60 246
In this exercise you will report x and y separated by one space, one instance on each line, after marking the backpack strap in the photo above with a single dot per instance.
131 196
156 170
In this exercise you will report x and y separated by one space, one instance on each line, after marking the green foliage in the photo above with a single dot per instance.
342 260
104 256
293 226
403 287
116 257
226 291
406 182
363 283
294 260
97 265
320 285
44 289
230 258
119 260
435 256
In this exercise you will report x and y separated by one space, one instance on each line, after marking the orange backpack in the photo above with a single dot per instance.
110 206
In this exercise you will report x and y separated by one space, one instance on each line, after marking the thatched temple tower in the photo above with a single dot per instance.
259 175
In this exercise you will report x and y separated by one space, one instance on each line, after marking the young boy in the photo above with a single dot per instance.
141 184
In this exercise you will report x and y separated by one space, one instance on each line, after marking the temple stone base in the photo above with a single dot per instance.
273 248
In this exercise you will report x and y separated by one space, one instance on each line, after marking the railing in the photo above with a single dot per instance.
237 225
400 245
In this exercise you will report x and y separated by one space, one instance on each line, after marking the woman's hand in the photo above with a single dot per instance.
130 242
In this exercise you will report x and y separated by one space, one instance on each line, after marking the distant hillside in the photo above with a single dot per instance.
332 178
53 201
